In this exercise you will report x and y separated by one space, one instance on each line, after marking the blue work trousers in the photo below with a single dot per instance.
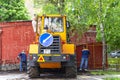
23 66
84 63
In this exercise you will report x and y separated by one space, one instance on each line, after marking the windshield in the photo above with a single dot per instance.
53 24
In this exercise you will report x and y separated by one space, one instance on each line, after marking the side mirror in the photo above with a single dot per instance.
68 24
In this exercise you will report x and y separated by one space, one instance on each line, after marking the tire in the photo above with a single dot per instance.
71 71
33 72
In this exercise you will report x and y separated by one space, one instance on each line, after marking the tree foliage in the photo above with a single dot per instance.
110 18
11 10
82 13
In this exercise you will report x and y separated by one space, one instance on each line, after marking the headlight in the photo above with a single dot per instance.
64 57
34 57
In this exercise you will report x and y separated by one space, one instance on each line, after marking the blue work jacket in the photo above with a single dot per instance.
22 56
85 53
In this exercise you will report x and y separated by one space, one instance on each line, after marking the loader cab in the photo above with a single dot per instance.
55 25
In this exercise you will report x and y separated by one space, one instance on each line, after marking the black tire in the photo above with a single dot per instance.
33 72
71 71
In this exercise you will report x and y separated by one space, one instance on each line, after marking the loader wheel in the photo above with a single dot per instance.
33 72
71 71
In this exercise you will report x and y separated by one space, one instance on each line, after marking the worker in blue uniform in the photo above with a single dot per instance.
23 61
84 59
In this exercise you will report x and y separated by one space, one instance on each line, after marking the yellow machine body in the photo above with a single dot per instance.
65 47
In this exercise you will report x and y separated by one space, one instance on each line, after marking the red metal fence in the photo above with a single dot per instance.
15 37
0 46
95 58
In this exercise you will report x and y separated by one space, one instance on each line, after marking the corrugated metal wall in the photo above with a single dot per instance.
15 37
95 58
0 46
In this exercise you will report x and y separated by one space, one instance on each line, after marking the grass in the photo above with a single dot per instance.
112 78
113 60
107 73
104 72
113 63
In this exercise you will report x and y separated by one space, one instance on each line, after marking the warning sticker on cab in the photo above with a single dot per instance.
41 59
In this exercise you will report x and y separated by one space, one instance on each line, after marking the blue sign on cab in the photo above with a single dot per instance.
46 39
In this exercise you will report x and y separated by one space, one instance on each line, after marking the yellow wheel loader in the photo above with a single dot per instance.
50 50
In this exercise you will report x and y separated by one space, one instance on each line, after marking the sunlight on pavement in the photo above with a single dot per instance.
88 78
13 77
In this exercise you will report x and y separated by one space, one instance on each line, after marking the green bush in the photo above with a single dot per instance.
112 78
113 60
114 63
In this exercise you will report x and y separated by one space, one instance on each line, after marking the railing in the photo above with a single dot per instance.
114 64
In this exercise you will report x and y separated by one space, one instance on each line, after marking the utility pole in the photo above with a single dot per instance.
103 37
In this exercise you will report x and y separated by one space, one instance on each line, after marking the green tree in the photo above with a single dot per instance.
82 13
110 19
50 6
11 10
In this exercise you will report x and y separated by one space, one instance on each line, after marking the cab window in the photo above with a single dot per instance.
53 24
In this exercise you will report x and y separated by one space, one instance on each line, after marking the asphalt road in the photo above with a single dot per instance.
16 75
